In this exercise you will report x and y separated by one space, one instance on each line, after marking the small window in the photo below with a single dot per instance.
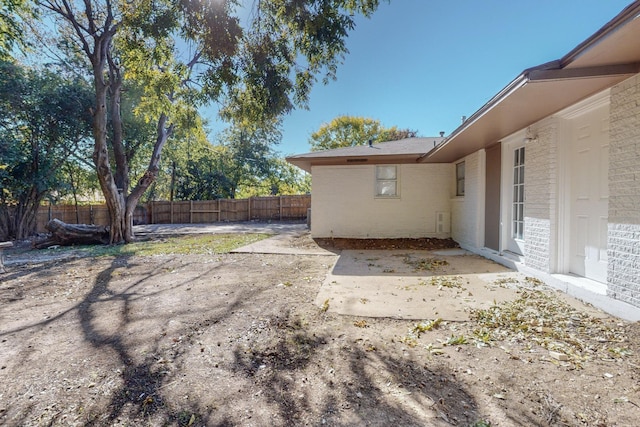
386 181
460 179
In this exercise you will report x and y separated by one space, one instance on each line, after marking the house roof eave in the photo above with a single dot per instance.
598 63
306 163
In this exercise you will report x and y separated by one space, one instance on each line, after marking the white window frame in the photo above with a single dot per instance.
382 180
517 205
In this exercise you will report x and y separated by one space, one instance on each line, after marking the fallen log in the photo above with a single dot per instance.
73 234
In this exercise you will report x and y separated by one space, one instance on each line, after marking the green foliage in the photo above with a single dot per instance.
44 120
286 48
203 178
241 164
282 179
139 130
348 131
12 13
180 55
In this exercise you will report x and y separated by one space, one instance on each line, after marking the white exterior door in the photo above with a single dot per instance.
589 159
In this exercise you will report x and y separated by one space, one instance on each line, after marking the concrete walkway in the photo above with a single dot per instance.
386 283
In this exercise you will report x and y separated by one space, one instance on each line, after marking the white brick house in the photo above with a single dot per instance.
377 191
545 176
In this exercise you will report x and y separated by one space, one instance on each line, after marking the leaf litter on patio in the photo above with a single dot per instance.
537 318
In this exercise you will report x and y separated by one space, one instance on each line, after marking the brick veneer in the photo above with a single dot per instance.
623 273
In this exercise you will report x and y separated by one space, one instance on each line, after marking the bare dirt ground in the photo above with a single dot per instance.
235 339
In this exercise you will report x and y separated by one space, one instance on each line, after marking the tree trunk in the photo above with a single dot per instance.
5 223
74 234
115 186
162 135
24 218
114 197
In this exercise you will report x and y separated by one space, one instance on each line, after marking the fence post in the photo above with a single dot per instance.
280 203
249 209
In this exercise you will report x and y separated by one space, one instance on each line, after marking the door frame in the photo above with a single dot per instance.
566 133
493 214
509 145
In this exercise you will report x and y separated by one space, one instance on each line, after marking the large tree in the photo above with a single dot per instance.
44 120
282 178
258 71
239 162
347 131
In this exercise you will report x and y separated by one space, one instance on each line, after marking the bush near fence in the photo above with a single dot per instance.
280 208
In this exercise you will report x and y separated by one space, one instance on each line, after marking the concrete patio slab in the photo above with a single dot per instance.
445 284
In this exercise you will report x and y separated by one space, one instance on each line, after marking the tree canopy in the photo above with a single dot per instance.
183 54
347 131
44 120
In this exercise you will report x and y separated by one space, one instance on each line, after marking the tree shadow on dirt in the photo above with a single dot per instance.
25 270
106 315
140 396
22 287
374 387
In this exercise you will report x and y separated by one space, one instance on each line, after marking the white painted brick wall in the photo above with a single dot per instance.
467 213
343 202
540 181
623 273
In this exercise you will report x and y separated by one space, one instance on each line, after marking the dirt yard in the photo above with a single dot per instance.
235 340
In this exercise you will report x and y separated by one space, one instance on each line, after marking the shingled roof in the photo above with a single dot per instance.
406 150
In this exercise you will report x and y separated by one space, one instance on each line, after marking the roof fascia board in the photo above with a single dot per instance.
629 13
305 163
516 84
585 72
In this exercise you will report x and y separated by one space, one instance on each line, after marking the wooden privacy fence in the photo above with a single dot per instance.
186 212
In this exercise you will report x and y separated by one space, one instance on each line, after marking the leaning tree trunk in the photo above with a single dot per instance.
163 132
104 75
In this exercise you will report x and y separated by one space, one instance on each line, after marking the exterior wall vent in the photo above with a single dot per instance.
443 222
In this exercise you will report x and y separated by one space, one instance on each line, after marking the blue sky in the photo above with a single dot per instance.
423 64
